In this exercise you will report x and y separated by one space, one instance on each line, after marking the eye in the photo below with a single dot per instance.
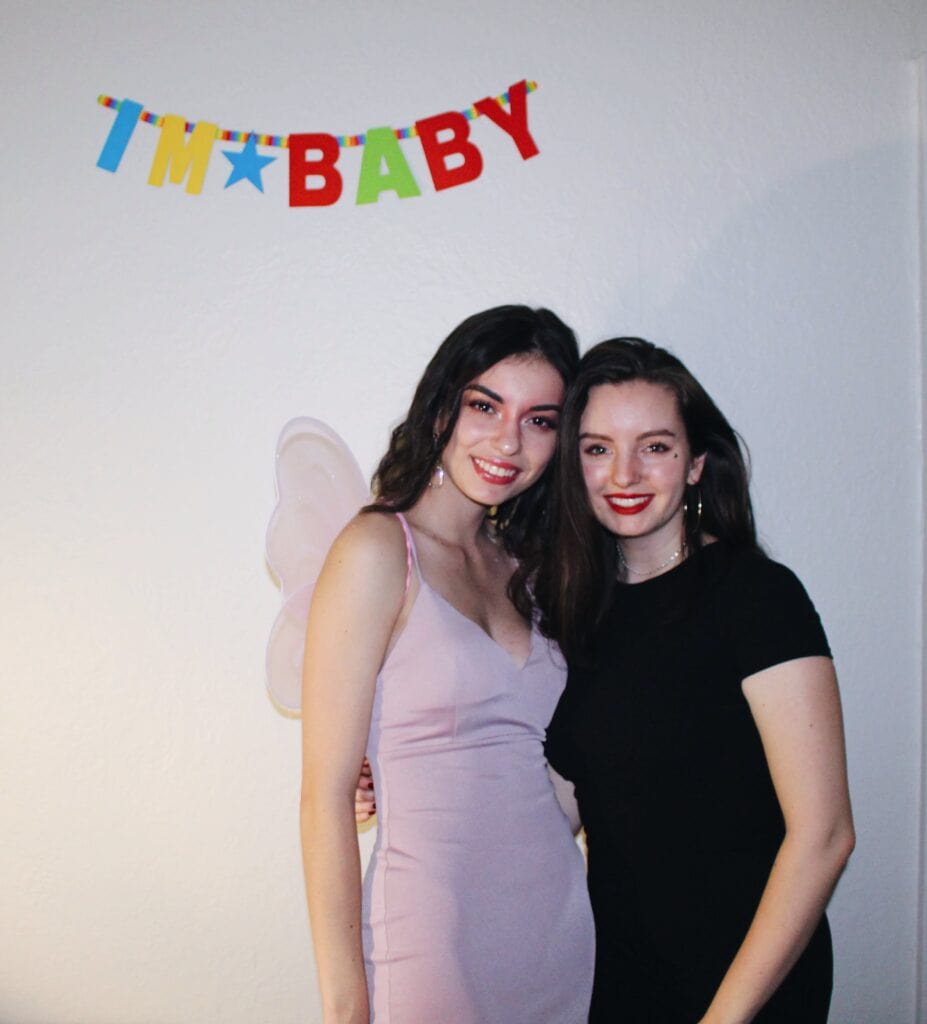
481 405
594 449
544 422
657 448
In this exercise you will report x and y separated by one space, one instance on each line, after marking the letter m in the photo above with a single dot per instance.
181 156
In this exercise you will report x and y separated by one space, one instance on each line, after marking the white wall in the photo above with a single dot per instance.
735 180
920 71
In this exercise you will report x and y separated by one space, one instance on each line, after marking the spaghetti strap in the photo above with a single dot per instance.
410 549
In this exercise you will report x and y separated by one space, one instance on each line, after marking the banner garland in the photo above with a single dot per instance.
313 156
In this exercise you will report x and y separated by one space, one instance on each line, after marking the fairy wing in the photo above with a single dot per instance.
319 488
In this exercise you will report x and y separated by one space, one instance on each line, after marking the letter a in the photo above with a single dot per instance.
381 145
175 152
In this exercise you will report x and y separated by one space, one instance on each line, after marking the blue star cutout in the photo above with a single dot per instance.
247 164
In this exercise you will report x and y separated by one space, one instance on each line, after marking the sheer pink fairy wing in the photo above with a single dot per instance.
319 488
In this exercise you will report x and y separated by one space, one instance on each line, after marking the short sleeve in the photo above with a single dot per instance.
771 617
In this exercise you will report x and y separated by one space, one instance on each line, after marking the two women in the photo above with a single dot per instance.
701 723
422 654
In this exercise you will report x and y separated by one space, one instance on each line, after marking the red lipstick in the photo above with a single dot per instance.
628 504
493 471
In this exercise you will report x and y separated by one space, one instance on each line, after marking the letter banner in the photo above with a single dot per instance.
183 150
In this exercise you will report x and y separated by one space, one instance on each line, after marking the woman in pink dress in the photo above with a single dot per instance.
421 653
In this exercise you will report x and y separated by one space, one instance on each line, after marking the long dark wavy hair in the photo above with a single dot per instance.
577 573
476 344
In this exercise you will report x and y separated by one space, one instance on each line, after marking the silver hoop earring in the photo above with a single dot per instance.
698 510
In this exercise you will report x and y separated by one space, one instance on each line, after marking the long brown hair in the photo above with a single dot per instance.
476 344
577 573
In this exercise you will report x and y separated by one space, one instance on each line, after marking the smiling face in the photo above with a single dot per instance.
506 431
636 463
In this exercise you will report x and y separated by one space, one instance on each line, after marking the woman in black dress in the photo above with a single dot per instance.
701 725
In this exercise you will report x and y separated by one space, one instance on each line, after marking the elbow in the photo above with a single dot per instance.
312 808
829 847
841 840
834 853
321 804
845 843
307 812
841 846
314 801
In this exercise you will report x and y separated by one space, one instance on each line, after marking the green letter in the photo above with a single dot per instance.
382 146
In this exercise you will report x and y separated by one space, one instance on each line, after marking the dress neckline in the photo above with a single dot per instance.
492 640
509 655
676 572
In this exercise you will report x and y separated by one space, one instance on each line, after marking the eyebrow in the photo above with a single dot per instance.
498 398
640 437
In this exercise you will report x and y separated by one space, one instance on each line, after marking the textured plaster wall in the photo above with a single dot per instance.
735 180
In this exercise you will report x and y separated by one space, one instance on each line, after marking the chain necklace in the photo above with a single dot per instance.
648 572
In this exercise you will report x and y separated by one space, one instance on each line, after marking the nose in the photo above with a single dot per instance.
625 469
508 437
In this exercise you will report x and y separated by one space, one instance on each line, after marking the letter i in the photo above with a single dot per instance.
119 135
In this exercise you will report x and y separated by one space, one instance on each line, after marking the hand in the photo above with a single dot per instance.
365 801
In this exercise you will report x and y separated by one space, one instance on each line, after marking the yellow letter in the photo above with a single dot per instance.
175 152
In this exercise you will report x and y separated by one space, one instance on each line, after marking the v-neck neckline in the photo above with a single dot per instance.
413 551
485 632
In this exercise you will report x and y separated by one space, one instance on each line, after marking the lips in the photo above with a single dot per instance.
493 471
628 504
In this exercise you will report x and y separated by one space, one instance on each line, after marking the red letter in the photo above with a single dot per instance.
437 151
322 167
514 121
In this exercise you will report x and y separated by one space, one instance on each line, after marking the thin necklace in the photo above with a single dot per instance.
648 572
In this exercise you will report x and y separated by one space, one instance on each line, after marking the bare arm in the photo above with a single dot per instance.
796 708
354 610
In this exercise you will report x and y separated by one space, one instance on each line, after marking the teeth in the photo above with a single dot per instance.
493 470
626 502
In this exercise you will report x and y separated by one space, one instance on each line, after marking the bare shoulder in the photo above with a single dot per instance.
372 550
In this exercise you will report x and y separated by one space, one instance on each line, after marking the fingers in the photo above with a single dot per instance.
364 811
365 805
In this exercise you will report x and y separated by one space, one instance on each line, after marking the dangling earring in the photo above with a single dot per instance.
437 476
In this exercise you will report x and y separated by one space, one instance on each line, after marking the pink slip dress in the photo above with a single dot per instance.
475 902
